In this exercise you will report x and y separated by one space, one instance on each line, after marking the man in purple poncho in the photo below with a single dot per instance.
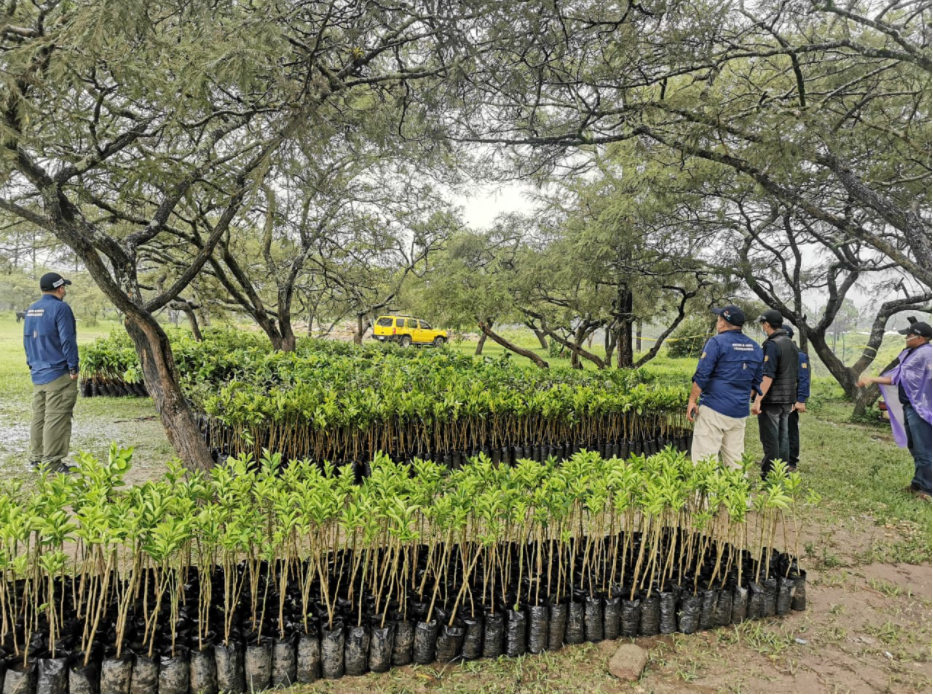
908 394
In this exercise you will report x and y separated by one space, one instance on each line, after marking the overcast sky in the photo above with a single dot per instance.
482 204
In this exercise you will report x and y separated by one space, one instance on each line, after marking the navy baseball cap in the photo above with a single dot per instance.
731 314
920 328
787 328
772 317
52 281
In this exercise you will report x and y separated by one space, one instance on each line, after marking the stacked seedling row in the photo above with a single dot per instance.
110 366
342 403
261 574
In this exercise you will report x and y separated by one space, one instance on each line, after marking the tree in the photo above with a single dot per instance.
127 122
825 108
613 255
472 282
388 242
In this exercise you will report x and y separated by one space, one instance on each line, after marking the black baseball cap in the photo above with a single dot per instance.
773 317
52 281
731 314
787 328
918 328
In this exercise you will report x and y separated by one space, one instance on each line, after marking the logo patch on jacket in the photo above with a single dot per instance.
804 365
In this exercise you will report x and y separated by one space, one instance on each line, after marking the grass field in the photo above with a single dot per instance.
866 545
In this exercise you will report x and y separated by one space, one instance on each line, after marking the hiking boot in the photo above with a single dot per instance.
61 467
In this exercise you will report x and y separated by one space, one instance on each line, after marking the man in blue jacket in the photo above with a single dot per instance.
727 377
50 340
800 406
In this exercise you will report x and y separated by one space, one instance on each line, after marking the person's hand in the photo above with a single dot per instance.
865 381
691 411
73 375
800 407
756 407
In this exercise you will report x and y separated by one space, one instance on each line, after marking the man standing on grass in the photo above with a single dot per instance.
50 340
800 406
778 391
726 378
908 394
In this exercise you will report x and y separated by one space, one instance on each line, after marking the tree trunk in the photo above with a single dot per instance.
864 400
577 351
511 346
479 344
639 328
188 309
575 357
609 340
288 338
626 357
162 381
361 327
867 396
284 317
193 321
541 338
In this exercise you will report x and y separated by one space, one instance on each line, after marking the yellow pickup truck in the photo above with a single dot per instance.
407 330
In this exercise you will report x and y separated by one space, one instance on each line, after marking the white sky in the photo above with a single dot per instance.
483 203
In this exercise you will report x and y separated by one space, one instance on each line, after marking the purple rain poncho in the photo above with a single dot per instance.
913 373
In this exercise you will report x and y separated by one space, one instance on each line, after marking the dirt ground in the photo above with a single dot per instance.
866 630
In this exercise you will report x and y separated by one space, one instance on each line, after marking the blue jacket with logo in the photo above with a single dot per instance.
803 377
729 369
50 339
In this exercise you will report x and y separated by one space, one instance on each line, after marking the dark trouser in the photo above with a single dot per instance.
772 429
793 438
919 443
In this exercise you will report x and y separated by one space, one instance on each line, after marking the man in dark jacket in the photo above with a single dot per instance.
800 406
778 390
50 341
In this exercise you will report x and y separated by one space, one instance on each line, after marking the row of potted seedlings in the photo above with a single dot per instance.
354 642
259 574
346 403
507 455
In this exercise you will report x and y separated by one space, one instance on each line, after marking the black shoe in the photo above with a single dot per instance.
33 466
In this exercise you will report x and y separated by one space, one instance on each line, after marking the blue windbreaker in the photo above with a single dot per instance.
729 368
50 339
803 377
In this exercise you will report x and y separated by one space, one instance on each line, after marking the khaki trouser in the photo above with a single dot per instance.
715 434
53 407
